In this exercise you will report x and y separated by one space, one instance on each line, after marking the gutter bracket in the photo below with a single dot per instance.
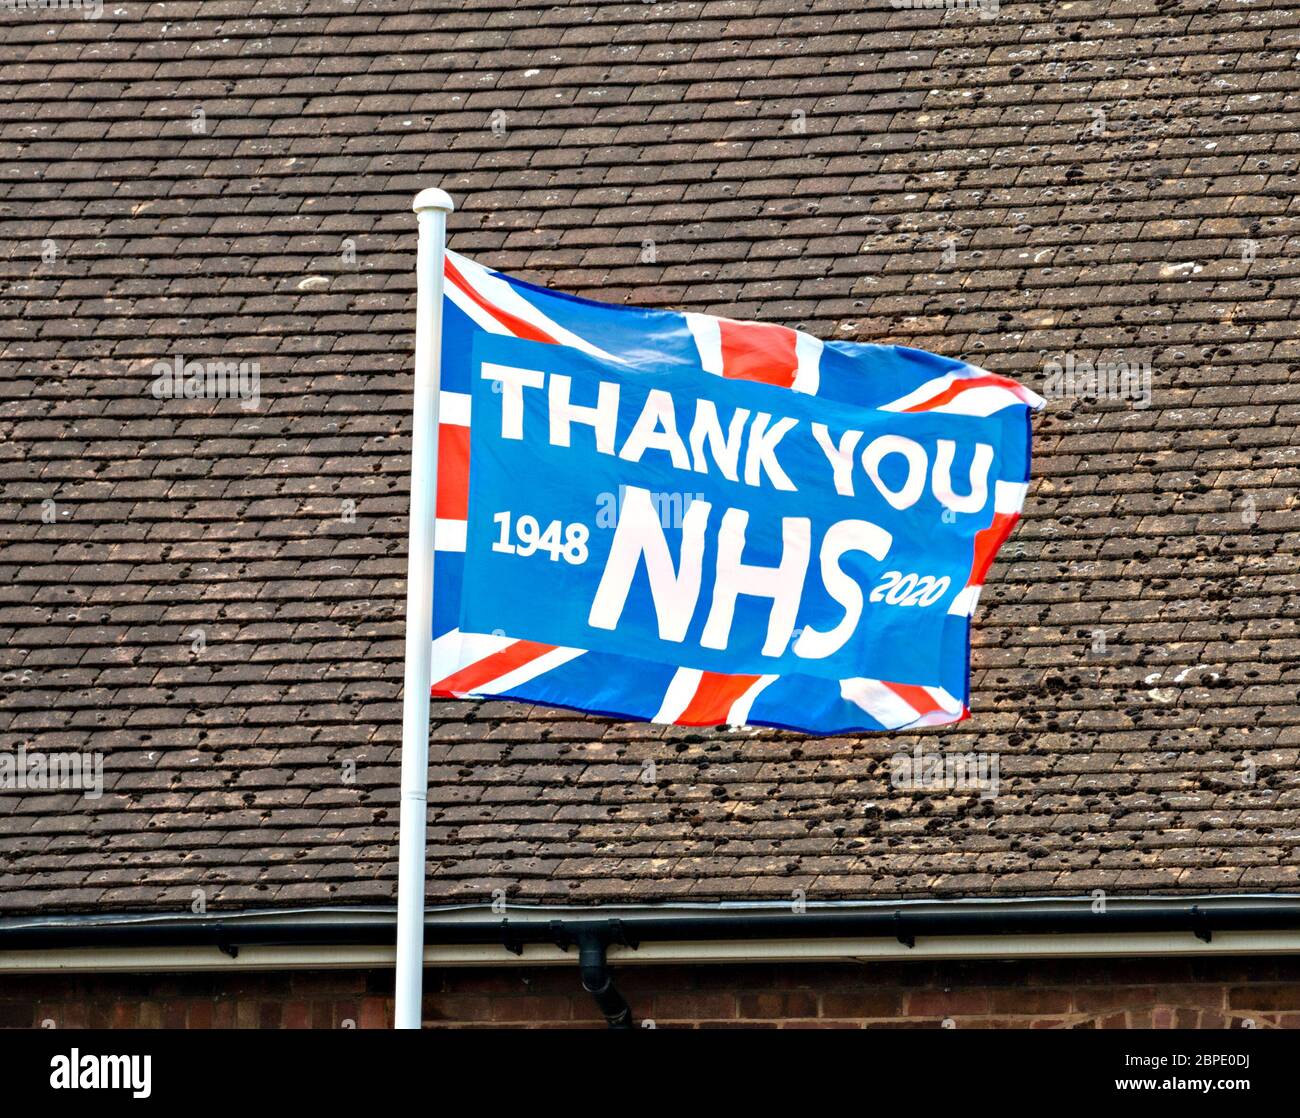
564 939
509 941
619 935
1200 925
228 949
902 934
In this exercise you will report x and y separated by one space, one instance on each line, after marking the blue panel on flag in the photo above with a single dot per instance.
720 524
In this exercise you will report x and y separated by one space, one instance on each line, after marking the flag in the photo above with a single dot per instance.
686 519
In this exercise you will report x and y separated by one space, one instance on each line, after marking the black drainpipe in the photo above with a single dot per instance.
593 965
599 983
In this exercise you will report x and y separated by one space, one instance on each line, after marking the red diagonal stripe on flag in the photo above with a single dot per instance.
987 542
516 325
918 698
471 678
961 385
714 698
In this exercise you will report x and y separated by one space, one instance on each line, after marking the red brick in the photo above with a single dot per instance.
533 1009
862 1003
694 1007
1206 995
1281 997
801 1004
1096 1000
374 1013
946 1003
18 1015
458 1007
1028 1001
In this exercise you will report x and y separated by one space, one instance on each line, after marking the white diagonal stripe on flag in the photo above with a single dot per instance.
681 690
739 713
928 391
497 291
455 650
980 401
548 661
1009 496
883 704
707 332
481 318
965 601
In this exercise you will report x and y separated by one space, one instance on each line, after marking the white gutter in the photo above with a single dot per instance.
932 948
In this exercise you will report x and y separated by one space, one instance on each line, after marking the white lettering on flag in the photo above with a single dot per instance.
782 583
640 536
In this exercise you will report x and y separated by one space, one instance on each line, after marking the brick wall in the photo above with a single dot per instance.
1200 993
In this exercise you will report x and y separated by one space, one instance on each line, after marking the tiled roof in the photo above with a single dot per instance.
1114 178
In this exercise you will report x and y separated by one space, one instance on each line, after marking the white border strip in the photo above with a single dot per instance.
255 958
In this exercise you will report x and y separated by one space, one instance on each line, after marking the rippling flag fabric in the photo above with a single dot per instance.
686 519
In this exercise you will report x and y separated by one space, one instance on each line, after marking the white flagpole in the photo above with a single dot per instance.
431 209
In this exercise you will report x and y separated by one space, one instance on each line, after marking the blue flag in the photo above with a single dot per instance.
687 519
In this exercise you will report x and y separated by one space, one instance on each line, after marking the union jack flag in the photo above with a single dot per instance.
888 378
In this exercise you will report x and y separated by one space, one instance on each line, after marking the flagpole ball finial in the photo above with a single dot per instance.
433 199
